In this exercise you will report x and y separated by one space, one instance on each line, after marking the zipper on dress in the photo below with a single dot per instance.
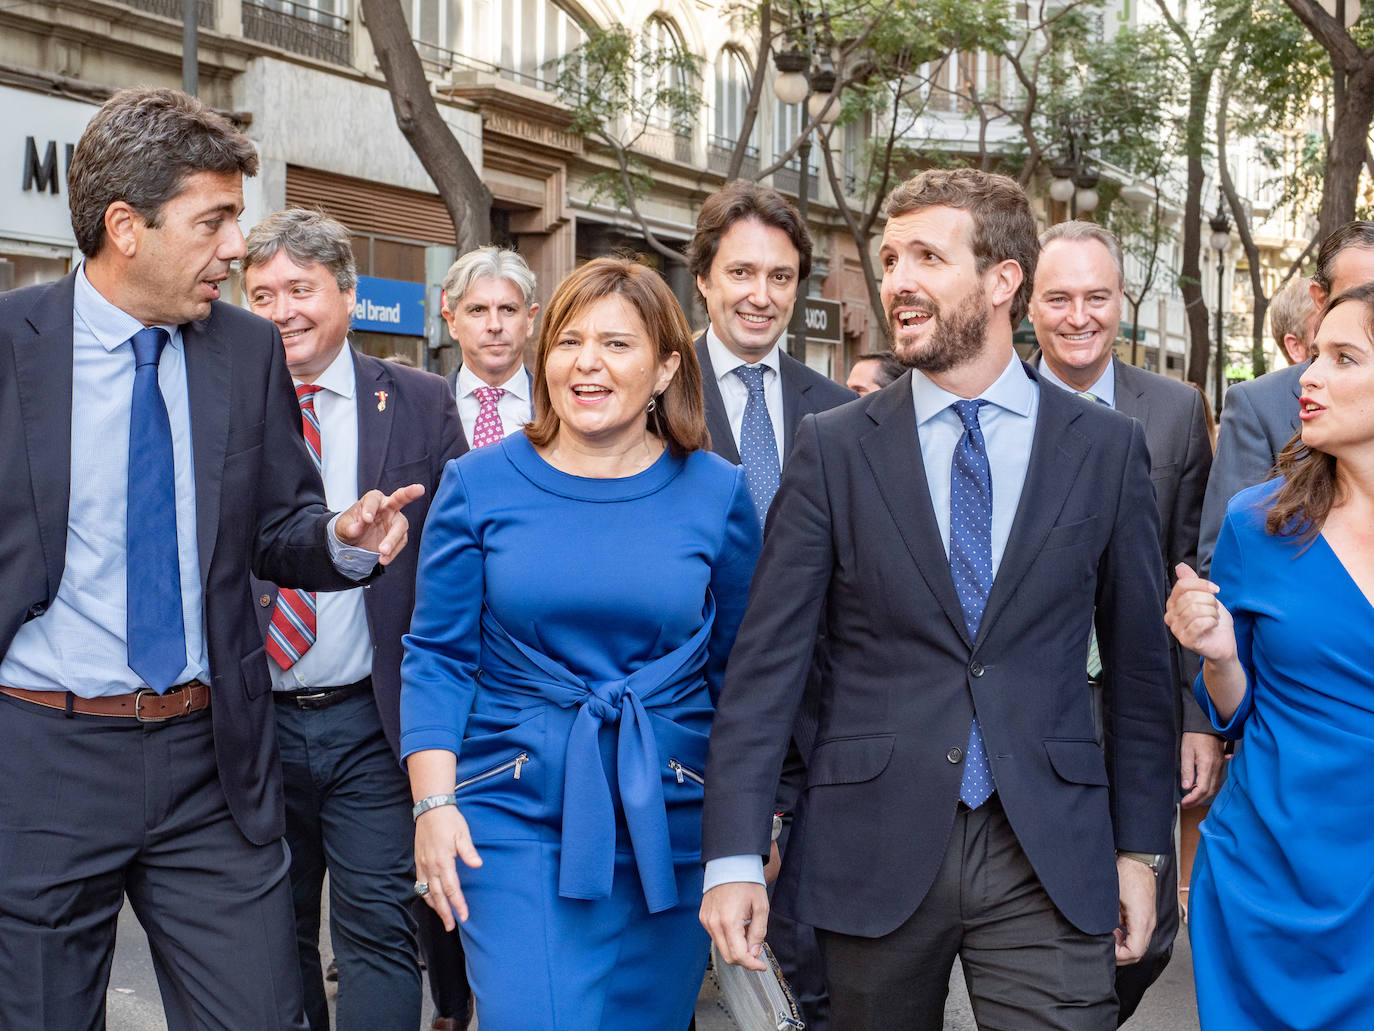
496 771
685 773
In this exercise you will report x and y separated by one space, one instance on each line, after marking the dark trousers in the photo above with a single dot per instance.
799 958
1027 968
348 812
95 808
448 970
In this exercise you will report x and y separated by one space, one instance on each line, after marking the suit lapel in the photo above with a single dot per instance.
1130 398
376 402
794 390
893 452
43 375
208 390
722 440
1057 454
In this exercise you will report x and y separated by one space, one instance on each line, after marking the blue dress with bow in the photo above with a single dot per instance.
569 639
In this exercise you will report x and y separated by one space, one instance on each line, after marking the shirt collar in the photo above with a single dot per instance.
1104 389
724 361
518 384
1013 390
338 377
109 325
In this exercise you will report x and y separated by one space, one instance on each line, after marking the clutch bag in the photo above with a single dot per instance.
757 1000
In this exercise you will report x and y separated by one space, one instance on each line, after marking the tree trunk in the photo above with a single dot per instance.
1190 278
1247 238
417 115
751 107
1345 158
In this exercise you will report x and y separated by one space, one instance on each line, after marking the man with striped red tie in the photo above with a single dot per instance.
335 657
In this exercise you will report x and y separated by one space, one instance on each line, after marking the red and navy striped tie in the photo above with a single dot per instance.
292 630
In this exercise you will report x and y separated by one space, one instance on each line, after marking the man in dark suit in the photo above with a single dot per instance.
489 306
958 530
1261 416
750 254
155 458
1075 308
375 424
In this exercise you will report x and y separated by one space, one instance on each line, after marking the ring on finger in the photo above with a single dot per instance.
422 888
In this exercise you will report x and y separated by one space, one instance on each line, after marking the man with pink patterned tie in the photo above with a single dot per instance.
335 657
488 303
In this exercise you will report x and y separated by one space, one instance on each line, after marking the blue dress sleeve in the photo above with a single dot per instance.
731 573
1229 573
442 650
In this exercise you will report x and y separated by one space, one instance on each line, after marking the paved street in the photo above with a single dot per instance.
134 1004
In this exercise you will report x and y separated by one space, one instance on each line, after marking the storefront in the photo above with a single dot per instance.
40 133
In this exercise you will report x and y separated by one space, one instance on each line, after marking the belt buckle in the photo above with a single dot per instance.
143 692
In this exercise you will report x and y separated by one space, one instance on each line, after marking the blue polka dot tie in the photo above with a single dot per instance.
155 632
970 562
758 445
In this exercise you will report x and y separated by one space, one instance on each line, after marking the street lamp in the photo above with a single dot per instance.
1221 242
1075 177
796 82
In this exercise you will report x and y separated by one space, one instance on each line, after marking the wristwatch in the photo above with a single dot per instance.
1153 860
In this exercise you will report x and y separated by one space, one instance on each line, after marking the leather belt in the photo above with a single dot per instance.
144 705
323 697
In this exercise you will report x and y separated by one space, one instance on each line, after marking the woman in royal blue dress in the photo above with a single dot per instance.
580 586
1283 885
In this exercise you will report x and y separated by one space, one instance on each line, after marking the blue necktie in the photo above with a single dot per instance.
970 562
758 445
156 635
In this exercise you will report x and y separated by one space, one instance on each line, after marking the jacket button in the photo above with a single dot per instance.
264 600
976 669
37 610
954 755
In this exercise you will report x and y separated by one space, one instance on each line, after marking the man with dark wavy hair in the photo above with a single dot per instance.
155 457
960 529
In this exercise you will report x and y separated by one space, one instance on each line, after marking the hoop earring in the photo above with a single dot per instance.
652 405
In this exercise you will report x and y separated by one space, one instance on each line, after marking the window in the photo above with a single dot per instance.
515 38
732 96
662 70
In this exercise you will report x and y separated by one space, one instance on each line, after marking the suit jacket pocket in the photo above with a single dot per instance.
257 679
1163 472
1070 533
849 760
243 438
403 475
1077 761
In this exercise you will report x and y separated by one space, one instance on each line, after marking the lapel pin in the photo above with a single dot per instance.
381 400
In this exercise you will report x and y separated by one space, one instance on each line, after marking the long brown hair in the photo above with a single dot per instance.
1310 489
679 415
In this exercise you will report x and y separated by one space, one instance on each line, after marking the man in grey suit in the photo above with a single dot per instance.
750 252
1076 310
1261 416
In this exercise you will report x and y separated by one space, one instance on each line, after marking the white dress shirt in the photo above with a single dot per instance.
735 394
1008 424
342 652
515 407
1104 389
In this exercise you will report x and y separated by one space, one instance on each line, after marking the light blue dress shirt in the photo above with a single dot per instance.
1008 423
1104 389
79 644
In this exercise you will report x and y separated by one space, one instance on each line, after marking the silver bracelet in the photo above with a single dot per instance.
432 802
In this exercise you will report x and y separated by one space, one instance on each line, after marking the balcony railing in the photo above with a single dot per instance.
176 10
441 61
788 180
719 151
299 28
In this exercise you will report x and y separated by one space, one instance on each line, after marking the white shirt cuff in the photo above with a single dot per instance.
727 869
354 563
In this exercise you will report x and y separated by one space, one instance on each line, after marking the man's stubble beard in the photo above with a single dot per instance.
955 340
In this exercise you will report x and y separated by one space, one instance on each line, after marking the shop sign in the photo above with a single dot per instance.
389 306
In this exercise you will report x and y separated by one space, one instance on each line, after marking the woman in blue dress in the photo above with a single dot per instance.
1283 885
580 586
